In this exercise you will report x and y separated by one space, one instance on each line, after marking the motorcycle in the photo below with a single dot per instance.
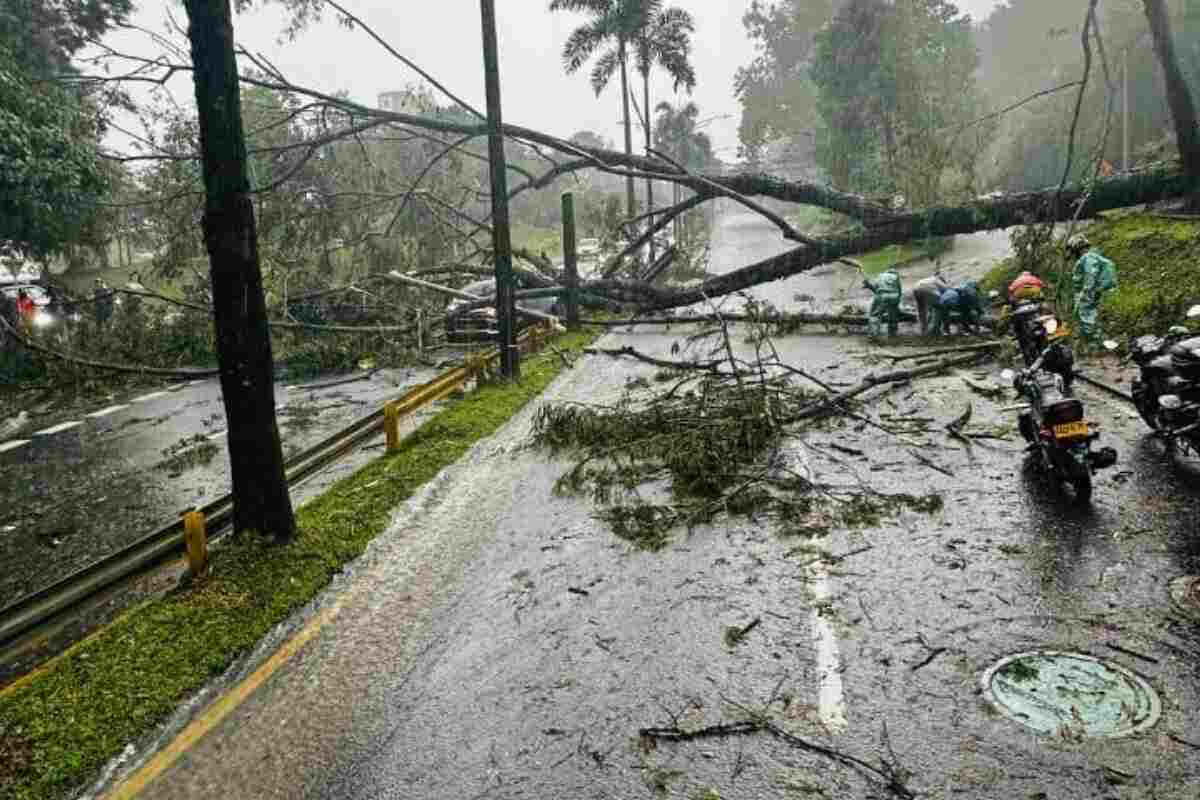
1166 392
1052 422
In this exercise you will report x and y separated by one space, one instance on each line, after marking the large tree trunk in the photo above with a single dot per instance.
260 494
1179 97
630 199
981 215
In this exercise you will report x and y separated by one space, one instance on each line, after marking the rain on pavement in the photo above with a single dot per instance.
498 641
78 484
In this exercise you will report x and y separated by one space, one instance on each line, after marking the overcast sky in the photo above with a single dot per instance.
444 38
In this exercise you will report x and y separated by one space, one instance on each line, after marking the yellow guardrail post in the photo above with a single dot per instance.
391 426
195 540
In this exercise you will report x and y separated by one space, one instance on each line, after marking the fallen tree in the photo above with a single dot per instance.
981 215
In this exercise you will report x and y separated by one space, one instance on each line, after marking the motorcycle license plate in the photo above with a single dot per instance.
1071 430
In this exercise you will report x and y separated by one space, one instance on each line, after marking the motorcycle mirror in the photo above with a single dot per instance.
1110 345
1193 312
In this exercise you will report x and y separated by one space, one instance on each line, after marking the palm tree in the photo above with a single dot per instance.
664 39
614 24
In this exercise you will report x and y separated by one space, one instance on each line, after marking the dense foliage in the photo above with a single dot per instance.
50 175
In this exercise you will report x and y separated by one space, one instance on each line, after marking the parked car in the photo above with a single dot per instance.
480 324
42 300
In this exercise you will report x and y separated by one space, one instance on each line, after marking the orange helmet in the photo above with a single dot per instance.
1027 286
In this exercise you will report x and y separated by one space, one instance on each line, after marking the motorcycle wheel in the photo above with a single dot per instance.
1145 404
1080 478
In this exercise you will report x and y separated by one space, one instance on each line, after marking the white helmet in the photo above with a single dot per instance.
1077 244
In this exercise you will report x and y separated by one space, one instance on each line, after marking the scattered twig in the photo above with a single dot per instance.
934 652
362 376
734 635
617 352
1131 653
1183 742
931 464
888 776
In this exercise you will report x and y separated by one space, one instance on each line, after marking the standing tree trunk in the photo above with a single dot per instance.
260 495
630 199
649 182
1179 97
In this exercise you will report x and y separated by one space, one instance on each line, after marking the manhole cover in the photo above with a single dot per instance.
1071 694
1185 593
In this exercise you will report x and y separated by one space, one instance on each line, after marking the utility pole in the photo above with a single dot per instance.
1125 110
570 260
510 364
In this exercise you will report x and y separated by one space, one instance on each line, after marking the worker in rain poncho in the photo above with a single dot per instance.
948 302
886 305
926 295
1094 275
973 306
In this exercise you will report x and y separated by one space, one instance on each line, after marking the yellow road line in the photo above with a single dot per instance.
212 716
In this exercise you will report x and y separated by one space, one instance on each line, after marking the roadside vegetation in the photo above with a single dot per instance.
59 726
1158 270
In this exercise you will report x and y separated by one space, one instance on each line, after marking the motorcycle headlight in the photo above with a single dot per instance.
43 319
1051 326
1170 402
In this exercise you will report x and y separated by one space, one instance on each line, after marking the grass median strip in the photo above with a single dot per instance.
59 729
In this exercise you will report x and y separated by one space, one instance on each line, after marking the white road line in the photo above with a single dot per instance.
13 445
104 412
196 383
66 426
178 386
831 701
212 437
146 397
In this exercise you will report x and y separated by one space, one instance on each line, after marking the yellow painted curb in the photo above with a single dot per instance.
211 717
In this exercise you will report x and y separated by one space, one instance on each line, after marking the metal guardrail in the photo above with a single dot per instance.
45 604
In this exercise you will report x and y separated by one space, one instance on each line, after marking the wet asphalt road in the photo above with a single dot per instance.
79 483
500 642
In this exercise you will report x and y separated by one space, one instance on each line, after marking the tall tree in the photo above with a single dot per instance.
50 175
50 172
774 89
614 24
664 40
890 77
261 500
1179 96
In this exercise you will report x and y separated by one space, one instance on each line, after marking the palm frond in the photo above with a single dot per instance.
581 45
603 70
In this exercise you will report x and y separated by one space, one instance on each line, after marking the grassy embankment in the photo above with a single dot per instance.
62 724
1158 271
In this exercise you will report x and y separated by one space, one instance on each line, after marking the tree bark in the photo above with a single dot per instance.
630 199
649 145
1179 97
260 492
981 215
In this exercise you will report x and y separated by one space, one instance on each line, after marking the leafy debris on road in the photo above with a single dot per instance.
708 437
